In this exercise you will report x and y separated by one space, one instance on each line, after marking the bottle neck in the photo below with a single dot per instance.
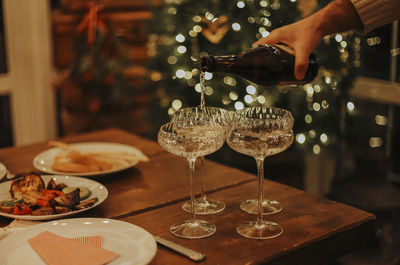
216 63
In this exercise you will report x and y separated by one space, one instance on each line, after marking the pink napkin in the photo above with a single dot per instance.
57 250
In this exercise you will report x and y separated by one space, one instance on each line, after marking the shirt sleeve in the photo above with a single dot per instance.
375 13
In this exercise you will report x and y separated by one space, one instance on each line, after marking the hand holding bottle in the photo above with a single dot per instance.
305 35
302 37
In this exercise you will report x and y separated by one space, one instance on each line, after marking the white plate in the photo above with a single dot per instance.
44 160
135 245
97 189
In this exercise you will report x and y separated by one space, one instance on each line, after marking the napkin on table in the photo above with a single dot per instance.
57 250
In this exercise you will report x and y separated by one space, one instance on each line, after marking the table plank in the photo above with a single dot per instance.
162 181
311 225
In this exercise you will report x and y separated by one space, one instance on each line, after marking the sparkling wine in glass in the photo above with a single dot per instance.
191 141
182 117
260 132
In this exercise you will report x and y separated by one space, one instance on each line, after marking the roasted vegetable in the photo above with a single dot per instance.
69 200
62 209
28 182
83 194
86 203
61 186
51 185
7 209
31 197
44 211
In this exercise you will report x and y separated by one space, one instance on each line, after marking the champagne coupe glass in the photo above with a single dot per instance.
198 138
203 205
260 132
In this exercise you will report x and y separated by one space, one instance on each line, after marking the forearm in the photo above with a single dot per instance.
338 16
375 13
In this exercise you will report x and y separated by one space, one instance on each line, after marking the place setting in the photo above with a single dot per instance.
63 187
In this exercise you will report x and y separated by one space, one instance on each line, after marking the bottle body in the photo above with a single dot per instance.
264 65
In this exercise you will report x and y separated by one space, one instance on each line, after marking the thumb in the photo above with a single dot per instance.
301 65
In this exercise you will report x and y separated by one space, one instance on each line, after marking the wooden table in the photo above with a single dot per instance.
150 195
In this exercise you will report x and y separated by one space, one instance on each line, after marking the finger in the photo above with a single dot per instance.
272 38
301 65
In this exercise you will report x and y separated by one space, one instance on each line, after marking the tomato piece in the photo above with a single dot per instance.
57 193
42 202
21 209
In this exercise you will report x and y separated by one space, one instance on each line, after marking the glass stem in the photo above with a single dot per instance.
260 176
191 170
203 195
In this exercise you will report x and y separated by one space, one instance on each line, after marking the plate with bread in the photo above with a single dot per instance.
87 158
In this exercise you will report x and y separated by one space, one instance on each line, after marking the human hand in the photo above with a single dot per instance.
303 37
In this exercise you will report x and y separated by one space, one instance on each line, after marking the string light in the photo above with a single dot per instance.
375 142
226 100
239 105
233 95
180 73
323 137
172 11
236 26
197 87
208 76
338 37
180 38
240 4
312 133
308 118
316 149
197 18
248 99
265 34
181 49
310 91
188 75
197 28
208 90
316 106
172 59
350 106
261 99
381 120
263 3
250 89
251 20
300 138
230 81
176 104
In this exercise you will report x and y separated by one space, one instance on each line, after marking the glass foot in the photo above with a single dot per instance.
269 206
193 229
265 230
208 206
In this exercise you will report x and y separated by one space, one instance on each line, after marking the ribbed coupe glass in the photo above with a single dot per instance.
191 141
184 116
260 132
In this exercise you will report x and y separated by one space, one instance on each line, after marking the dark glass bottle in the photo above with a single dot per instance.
264 65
